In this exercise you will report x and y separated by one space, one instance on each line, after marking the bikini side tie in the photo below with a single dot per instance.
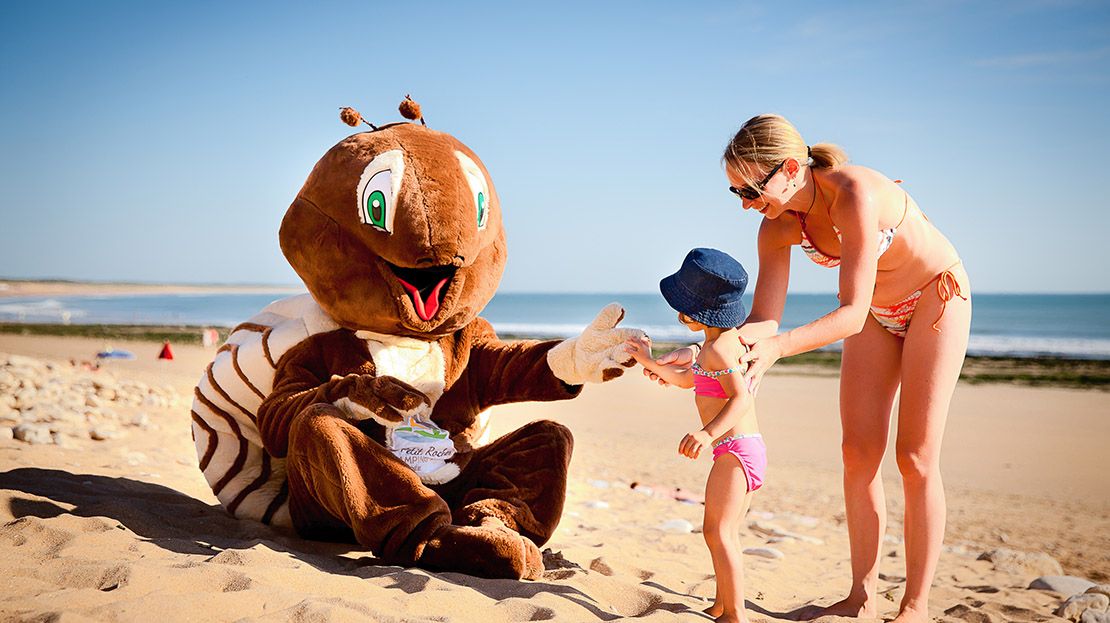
948 288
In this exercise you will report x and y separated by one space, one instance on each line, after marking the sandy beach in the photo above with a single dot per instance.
124 528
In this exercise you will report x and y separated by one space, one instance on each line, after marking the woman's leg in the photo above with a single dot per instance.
726 501
931 363
869 373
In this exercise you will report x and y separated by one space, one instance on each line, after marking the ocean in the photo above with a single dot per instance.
1017 325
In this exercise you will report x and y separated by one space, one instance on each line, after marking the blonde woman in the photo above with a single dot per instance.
904 316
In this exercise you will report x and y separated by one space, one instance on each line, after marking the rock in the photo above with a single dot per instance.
1075 606
142 420
33 434
1093 616
679 526
102 433
1103 589
1063 584
764 552
1022 563
94 402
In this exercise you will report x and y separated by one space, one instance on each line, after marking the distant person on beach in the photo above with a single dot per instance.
706 292
904 316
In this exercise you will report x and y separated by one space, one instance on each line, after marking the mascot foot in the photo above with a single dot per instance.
490 551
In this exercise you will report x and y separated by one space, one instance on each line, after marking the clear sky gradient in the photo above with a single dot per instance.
163 142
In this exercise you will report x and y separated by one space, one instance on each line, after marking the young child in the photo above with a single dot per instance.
706 292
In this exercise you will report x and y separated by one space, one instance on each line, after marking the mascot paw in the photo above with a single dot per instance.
489 551
597 354
385 399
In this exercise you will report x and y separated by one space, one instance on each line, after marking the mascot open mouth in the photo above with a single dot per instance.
425 286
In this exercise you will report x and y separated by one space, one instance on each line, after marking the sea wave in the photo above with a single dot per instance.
46 310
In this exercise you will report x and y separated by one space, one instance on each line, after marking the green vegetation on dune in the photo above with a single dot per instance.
138 333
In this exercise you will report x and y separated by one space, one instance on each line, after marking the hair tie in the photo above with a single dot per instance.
809 151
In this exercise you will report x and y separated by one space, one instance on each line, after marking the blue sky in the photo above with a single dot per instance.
163 142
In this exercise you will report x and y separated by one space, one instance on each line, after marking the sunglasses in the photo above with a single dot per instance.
752 193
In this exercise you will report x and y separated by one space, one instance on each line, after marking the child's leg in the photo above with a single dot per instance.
726 501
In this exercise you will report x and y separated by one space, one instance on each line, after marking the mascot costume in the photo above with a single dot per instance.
357 411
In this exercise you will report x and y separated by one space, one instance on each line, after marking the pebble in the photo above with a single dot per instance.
1091 615
678 526
33 434
597 504
1075 606
599 484
1022 563
102 433
1103 589
765 552
1063 584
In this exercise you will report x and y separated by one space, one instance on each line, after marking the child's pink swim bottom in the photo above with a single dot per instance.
750 451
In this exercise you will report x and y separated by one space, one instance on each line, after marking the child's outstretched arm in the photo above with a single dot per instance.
640 349
739 401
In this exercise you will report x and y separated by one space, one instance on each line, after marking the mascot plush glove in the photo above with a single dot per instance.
597 354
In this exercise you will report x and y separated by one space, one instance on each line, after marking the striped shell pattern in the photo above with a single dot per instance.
249 483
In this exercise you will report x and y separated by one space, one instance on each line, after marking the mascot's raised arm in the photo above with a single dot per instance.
357 411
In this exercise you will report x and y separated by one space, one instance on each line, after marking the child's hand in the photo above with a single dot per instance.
639 348
692 443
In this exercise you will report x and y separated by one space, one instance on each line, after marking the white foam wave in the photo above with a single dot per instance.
46 310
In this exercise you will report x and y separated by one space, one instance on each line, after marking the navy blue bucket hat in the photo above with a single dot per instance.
708 288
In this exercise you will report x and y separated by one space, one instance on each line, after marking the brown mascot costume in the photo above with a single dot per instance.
357 411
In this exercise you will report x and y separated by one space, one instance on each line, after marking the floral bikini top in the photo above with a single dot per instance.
886 238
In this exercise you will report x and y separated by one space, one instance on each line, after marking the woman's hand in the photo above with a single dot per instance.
762 355
691 444
682 358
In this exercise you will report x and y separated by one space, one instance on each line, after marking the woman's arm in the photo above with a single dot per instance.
668 374
858 219
770 287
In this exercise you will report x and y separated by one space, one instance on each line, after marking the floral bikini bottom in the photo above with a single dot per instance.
896 318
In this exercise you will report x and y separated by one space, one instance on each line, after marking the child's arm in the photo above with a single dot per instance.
640 349
739 401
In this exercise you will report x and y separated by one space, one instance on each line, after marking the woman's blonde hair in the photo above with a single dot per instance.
767 140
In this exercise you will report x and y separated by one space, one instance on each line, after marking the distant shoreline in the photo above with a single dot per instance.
10 288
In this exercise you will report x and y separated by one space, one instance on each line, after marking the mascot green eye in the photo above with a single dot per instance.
375 209
376 198
481 210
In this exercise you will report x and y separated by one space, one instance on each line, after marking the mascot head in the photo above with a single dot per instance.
397 231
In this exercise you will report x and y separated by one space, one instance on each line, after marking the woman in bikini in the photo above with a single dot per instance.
904 316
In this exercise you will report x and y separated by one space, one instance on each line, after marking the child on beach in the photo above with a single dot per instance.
706 292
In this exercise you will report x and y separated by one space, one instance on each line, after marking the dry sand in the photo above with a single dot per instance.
127 529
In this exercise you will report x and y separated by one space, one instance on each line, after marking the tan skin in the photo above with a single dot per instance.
926 363
726 491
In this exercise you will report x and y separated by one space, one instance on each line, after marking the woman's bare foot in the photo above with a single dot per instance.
848 607
715 610
732 618
910 614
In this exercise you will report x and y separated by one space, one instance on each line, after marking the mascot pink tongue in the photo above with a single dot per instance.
343 415
424 309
